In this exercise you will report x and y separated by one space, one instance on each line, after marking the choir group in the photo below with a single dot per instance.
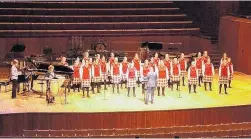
89 74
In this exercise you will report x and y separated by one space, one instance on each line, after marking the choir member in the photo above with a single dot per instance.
63 61
110 63
192 77
76 83
116 74
86 56
175 73
183 67
208 73
98 58
162 74
151 84
199 63
231 71
96 75
85 73
144 71
205 57
131 79
224 57
137 64
156 59
124 65
168 64
224 76
14 76
104 71
91 63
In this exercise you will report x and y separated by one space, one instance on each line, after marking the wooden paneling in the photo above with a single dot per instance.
34 46
234 39
13 124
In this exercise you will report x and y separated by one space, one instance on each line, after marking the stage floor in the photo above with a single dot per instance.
239 94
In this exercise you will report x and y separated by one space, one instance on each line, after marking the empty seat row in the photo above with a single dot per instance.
127 18
23 11
95 26
87 4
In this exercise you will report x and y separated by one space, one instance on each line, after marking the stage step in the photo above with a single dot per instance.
88 18
82 4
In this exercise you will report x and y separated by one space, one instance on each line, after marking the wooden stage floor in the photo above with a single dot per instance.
239 94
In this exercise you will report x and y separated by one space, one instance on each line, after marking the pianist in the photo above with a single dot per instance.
14 77
63 61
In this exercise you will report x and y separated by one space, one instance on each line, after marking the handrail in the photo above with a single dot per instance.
55 23
94 9
95 16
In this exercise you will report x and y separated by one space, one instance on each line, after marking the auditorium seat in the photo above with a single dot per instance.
56 133
246 132
108 132
121 132
159 130
30 133
236 133
82 133
95 132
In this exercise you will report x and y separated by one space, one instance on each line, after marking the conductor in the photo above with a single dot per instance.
150 85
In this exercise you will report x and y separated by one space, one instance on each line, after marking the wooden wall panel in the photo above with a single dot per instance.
35 46
234 39
13 124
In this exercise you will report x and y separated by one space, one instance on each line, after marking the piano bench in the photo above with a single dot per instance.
5 84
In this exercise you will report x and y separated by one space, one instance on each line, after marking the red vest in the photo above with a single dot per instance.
111 60
145 71
76 71
208 69
96 70
175 69
230 67
124 67
116 69
199 63
103 67
224 70
136 64
193 72
156 61
182 64
162 72
167 64
131 73
86 72
205 59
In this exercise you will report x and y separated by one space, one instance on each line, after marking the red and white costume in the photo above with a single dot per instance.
86 59
183 66
162 74
131 77
110 63
231 70
76 74
152 65
192 75
175 72
168 64
96 73
208 72
104 71
199 63
124 68
222 59
156 61
116 73
224 74
205 58
85 73
137 65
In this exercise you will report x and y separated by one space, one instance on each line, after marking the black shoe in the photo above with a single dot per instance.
152 102
211 90
146 103
226 93
229 87
194 91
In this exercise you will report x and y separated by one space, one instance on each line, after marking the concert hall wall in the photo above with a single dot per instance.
34 46
235 40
